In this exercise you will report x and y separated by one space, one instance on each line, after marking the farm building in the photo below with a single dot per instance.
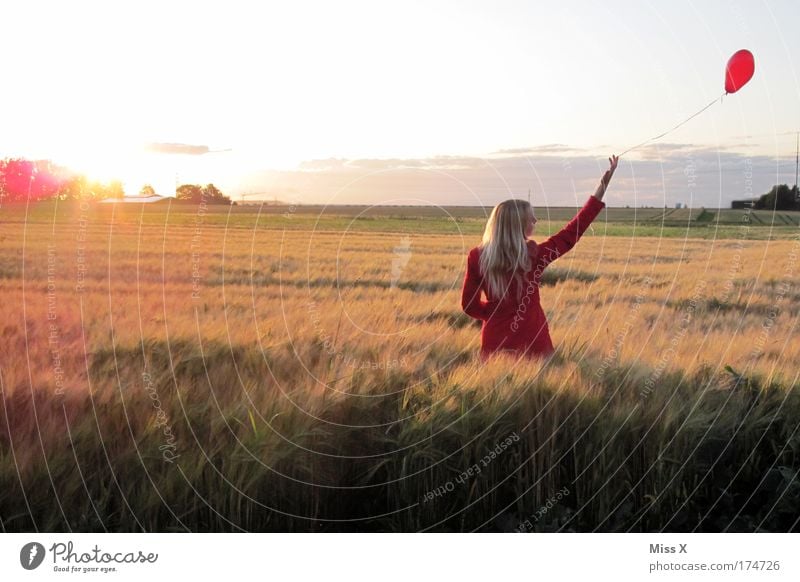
744 203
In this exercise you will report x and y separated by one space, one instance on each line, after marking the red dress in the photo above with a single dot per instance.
520 326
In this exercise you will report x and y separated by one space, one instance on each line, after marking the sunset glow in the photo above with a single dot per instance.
287 84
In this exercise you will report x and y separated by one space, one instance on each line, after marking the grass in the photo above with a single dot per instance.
457 220
165 374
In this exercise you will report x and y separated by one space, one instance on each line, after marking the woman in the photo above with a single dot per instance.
507 268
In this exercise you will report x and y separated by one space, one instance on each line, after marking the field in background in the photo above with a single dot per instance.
708 223
166 368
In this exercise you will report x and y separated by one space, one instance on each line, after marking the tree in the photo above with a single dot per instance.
208 194
100 190
22 179
214 195
781 197
189 193
74 188
147 190
115 189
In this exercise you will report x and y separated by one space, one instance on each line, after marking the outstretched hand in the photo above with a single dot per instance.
604 181
612 161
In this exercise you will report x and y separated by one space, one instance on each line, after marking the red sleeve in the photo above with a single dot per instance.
568 237
471 301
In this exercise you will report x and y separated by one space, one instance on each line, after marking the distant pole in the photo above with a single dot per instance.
529 195
796 160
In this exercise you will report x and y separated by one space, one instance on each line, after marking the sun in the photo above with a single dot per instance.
126 163
134 163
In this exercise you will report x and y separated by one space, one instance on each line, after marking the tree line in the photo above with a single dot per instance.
24 180
781 197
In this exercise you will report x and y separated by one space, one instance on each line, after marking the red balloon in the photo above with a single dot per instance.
739 70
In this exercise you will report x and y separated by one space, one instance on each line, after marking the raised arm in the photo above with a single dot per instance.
471 301
601 188
568 237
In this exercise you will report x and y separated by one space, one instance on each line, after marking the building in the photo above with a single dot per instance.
744 203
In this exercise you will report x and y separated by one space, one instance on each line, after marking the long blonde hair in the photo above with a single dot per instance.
504 250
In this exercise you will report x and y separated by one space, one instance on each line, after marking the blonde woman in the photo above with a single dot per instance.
507 268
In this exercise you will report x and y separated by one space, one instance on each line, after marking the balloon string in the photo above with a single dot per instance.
676 127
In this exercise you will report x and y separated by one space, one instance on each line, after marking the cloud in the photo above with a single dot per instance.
323 164
179 148
655 175
551 148
667 150
383 164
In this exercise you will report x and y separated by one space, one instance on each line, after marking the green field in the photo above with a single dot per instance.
708 223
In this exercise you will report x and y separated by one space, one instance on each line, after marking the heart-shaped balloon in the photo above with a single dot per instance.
739 70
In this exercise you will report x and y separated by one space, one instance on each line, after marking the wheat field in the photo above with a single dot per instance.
182 373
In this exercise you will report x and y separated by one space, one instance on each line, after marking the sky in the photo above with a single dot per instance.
429 102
